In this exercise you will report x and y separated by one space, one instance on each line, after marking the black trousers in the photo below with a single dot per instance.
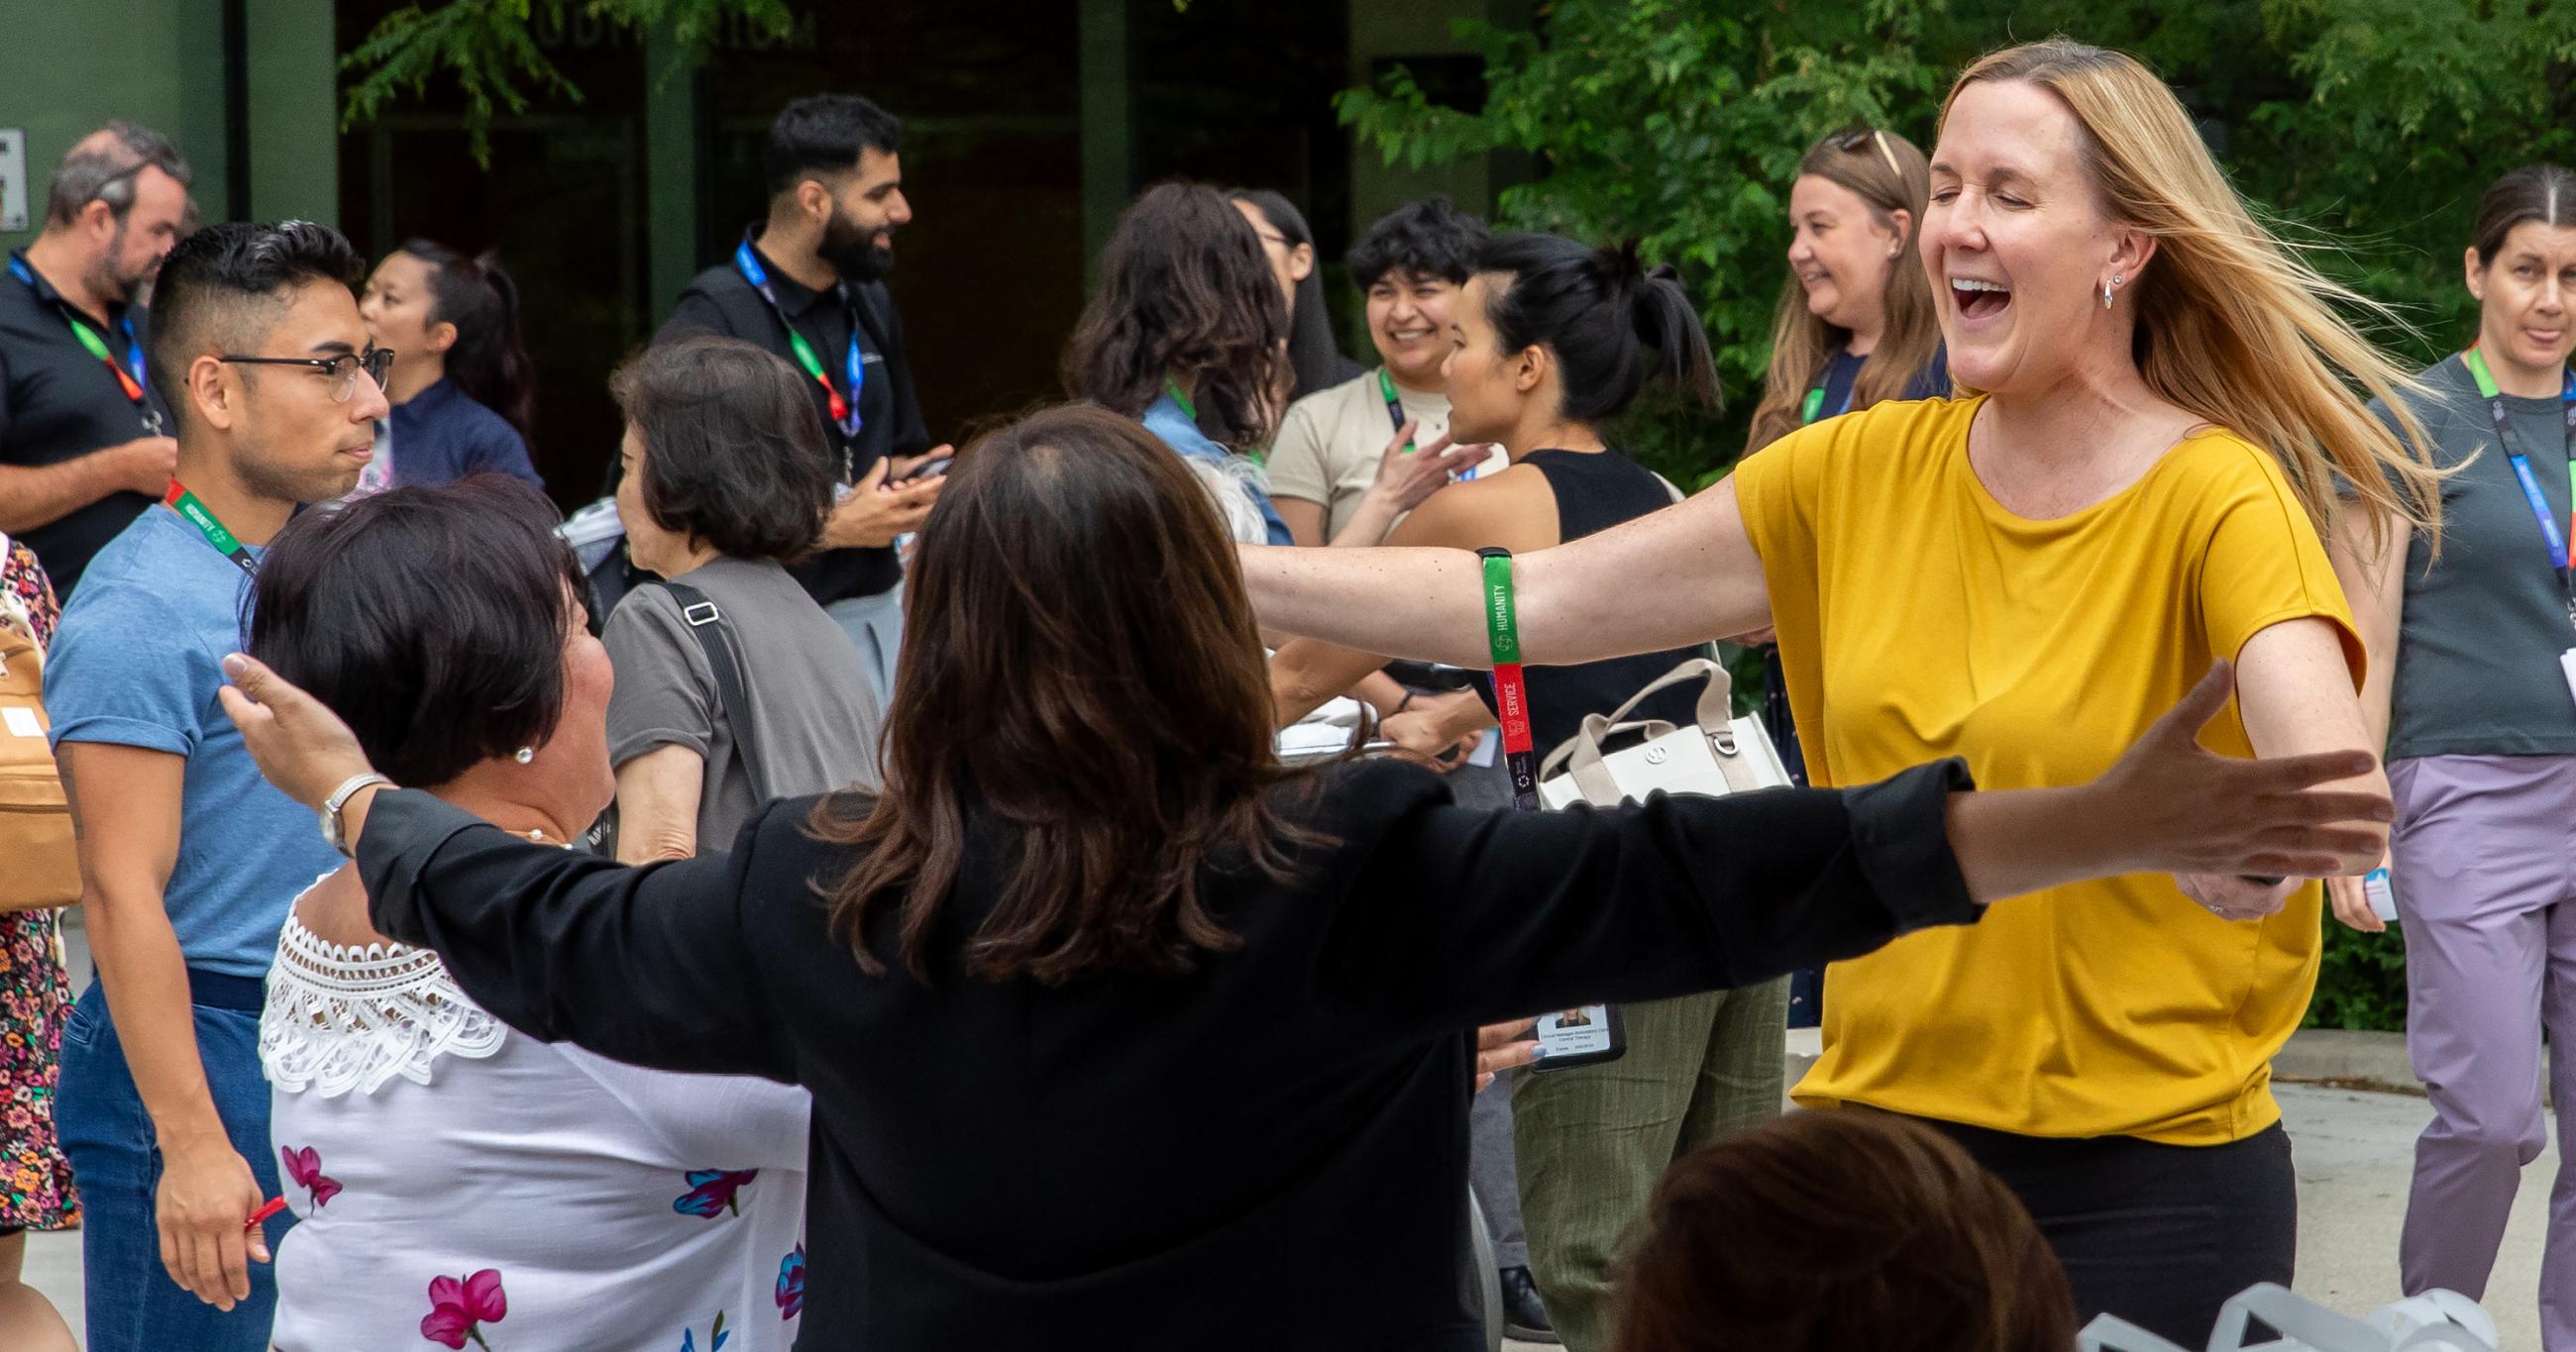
2160 1235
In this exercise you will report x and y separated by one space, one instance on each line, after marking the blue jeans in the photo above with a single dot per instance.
132 1304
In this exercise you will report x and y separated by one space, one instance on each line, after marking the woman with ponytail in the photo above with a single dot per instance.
1550 342
2157 418
461 386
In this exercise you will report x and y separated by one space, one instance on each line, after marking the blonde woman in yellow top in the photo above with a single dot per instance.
2133 487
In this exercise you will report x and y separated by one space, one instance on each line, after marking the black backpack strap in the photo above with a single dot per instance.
707 623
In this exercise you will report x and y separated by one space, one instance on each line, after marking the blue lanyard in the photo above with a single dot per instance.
1814 407
854 368
134 362
2531 494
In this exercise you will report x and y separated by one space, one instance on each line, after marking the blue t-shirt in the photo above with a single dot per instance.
1165 419
137 662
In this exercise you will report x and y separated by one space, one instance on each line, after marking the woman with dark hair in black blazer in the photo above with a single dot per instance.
1108 1016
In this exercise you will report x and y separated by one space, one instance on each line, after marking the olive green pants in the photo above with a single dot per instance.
1593 1141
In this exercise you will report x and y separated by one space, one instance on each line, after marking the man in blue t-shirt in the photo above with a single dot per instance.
189 860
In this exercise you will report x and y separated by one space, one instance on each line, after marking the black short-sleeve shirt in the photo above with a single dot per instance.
720 301
58 403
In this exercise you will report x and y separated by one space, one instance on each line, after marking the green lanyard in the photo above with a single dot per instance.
1394 406
130 382
1511 688
185 503
1815 405
1189 408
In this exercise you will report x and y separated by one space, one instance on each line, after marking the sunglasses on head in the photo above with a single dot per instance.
1851 141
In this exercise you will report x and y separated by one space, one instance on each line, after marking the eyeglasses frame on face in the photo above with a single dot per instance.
1849 143
377 362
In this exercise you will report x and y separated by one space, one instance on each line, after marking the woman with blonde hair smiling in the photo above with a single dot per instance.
2156 418
1855 324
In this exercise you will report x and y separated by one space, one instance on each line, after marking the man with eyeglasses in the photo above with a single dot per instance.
83 440
190 861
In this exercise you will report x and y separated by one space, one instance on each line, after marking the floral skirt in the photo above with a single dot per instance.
35 998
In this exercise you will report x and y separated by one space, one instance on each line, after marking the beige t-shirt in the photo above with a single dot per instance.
1330 441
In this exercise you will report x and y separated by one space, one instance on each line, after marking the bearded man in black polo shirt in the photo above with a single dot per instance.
807 284
82 449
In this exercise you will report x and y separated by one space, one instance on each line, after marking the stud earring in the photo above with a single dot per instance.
524 754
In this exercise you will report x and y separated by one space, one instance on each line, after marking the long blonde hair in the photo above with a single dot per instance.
2234 323
1890 174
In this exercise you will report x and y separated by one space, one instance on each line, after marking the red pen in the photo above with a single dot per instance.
267 1209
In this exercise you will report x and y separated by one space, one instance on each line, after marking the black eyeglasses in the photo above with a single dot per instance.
342 369
1851 141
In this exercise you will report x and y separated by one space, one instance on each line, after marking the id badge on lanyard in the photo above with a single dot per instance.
2552 538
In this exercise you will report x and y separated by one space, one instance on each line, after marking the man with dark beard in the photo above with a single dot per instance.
82 437
808 284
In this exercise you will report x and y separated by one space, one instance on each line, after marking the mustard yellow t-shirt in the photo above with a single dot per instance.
1920 619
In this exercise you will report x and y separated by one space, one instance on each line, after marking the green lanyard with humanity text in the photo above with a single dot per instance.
185 503
1511 688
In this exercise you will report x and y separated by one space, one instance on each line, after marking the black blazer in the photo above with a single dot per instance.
1130 1162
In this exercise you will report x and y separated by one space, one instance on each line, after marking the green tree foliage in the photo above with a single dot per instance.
2368 127
487 48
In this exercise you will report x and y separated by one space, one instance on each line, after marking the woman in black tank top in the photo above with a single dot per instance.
1594 491
1551 341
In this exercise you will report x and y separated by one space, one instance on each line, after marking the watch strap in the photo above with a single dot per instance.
333 829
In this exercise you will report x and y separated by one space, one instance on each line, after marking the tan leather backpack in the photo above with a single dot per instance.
39 869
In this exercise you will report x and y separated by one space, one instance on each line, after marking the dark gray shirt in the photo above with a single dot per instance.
2477 656
814 716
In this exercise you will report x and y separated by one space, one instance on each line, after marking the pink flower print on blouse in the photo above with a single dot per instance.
791 1284
458 1309
711 1191
305 1167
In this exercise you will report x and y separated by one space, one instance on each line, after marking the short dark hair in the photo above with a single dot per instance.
1429 238
733 450
825 133
1840 1229
430 619
102 166
1185 290
226 280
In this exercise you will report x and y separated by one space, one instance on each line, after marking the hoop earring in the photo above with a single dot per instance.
2106 292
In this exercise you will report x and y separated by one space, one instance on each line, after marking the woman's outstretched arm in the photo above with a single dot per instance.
649 966
1471 917
1677 577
